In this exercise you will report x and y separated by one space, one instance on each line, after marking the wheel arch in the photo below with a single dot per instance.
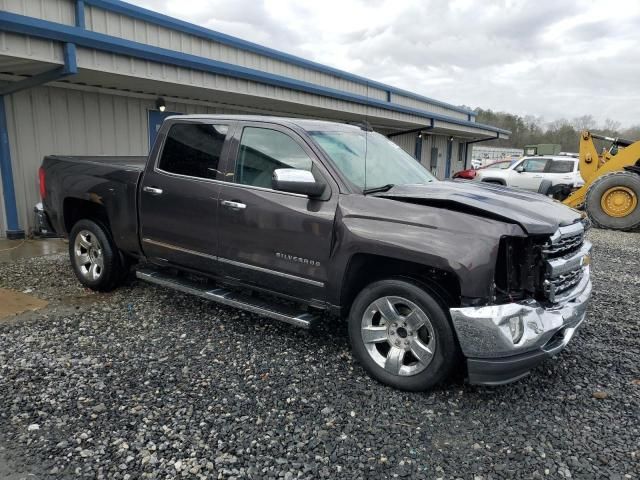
366 268
75 209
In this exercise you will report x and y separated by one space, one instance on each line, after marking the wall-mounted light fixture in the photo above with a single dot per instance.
160 105
451 139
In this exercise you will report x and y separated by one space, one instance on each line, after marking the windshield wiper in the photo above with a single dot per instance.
383 188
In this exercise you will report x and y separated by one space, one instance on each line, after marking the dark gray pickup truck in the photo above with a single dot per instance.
289 218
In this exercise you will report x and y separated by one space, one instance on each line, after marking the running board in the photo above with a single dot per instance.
229 298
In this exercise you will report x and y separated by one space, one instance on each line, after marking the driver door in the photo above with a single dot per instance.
274 240
531 174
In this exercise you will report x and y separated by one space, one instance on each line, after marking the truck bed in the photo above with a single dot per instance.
110 182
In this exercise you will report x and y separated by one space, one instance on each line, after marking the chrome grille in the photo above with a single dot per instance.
562 283
564 255
565 246
565 241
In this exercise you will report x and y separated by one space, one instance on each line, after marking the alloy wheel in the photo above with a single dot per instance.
88 255
398 335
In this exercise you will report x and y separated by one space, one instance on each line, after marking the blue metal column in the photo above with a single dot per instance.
6 171
447 168
418 149
70 67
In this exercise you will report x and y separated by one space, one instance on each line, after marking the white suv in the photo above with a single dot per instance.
528 172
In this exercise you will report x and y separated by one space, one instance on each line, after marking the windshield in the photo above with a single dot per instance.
498 165
386 162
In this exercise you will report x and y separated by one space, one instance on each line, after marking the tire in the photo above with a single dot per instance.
415 319
558 192
545 186
94 256
630 185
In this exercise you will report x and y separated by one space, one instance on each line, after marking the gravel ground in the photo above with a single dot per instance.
149 383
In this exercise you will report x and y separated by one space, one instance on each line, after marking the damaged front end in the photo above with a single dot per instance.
541 268
542 286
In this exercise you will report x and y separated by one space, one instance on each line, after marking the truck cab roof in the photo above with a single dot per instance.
302 123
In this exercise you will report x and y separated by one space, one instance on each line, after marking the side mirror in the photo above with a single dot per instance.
293 180
520 169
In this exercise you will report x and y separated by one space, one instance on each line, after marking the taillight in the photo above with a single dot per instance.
43 187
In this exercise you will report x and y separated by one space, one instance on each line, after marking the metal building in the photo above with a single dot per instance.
84 77
485 155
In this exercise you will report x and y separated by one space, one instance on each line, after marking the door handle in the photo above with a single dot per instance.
233 205
537 176
152 190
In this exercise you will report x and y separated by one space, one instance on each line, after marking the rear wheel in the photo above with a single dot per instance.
401 335
612 201
94 256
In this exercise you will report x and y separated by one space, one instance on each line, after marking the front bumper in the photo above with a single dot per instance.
502 343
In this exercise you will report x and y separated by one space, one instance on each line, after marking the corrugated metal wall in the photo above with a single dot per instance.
61 11
50 120
415 103
407 142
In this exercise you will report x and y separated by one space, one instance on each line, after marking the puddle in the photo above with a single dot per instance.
13 303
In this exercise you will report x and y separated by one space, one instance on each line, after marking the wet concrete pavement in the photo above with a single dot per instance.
12 250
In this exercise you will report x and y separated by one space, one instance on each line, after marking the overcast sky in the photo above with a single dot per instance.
548 58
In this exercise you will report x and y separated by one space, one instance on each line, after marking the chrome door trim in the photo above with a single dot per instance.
272 272
179 249
289 276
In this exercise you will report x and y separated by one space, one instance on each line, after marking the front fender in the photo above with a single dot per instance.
460 243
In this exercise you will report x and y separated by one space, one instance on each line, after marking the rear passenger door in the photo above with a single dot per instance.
270 239
561 172
179 195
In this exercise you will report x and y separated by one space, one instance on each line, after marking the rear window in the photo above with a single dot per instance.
561 166
193 149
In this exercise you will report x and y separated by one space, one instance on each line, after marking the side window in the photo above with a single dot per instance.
262 151
535 165
193 149
561 166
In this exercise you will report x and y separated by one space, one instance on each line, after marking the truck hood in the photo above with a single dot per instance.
535 213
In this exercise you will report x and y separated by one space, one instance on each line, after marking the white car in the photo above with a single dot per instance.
529 172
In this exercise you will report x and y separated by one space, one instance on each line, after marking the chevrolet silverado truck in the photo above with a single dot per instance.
299 219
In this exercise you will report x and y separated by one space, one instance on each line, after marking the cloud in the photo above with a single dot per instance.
551 59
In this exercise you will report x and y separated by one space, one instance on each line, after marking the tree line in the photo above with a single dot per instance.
531 130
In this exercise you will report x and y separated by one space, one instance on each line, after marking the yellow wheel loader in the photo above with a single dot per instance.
611 190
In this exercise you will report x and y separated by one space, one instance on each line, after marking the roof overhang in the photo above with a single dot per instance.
382 113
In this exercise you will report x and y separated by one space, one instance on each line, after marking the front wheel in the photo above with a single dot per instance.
401 335
94 256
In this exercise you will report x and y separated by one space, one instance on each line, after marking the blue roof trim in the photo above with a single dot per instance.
143 14
64 33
